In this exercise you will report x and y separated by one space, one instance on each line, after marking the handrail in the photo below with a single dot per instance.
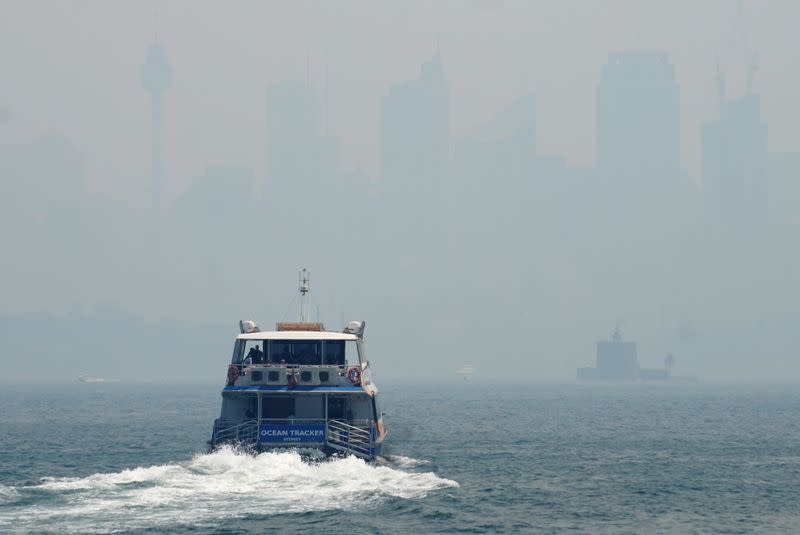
291 421
287 365
282 365
343 424
350 436
244 432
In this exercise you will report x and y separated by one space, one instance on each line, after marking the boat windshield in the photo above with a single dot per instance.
294 352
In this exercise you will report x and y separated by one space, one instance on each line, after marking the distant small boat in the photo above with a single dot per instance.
465 371
91 379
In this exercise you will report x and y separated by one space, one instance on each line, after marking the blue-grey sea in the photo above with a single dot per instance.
584 458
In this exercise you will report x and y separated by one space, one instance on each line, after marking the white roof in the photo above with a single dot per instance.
297 335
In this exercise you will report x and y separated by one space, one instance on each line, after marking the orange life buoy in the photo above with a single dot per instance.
292 379
233 374
354 375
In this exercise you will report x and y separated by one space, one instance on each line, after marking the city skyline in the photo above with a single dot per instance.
467 220
729 39
303 98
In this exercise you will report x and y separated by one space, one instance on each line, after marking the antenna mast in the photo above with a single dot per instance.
720 79
751 70
304 289
326 93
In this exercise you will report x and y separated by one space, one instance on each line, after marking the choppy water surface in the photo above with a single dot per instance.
636 458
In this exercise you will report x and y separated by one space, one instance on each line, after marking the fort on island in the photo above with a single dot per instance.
617 361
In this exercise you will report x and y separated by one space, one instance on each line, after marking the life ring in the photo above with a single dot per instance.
233 374
292 379
354 375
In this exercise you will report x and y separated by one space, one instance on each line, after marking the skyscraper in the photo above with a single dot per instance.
735 163
296 150
638 118
301 162
507 141
156 77
493 167
415 135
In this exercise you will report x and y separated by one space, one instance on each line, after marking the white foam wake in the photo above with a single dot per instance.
402 461
209 488
7 494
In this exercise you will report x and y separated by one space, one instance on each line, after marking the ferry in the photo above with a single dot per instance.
91 379
301 386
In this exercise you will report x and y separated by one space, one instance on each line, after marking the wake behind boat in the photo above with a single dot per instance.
301 386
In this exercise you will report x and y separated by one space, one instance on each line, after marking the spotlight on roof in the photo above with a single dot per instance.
248 326
356 328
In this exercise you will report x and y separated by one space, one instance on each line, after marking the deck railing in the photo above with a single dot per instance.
245 432
347 436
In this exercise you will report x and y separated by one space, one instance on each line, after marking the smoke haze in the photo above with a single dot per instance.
493 183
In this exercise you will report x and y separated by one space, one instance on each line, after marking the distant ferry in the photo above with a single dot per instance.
465 371
301 386
91 379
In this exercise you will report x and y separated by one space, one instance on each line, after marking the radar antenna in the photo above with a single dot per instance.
720 79
305 289
616 336
751 71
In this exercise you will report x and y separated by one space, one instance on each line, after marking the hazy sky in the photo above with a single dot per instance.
588 249
73 67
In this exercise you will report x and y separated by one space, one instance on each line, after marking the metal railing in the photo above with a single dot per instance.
344 436
348 436
239 432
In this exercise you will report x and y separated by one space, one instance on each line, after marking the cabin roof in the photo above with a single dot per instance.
297 335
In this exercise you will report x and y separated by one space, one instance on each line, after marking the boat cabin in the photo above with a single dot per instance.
300 386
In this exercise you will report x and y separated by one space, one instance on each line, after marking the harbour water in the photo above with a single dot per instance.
639 458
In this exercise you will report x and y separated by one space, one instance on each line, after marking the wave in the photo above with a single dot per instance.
8 494
208 488
402 461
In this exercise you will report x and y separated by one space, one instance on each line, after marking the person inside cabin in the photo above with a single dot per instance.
307 353
281 353
255 355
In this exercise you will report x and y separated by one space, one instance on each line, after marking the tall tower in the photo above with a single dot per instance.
156 77
638 118
415 141
735 155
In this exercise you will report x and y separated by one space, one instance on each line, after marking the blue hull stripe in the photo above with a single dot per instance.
296 389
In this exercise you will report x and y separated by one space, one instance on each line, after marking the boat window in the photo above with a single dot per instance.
253 352
277 407
333 352
305 352
237 352
308 352
309 407
360 408
351 353
281 351
336 407
252 408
